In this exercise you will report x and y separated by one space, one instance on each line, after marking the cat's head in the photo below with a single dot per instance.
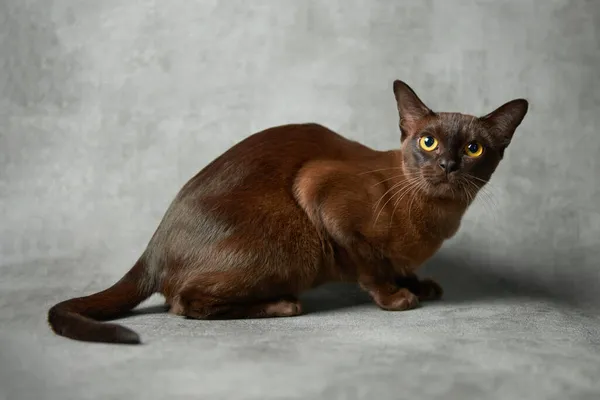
452 154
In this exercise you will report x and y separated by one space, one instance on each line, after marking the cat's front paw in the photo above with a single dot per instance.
425 289
429 290
400 300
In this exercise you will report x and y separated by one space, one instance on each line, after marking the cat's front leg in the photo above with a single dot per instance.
425 289
387 295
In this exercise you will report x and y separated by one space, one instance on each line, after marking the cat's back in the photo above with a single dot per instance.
271 158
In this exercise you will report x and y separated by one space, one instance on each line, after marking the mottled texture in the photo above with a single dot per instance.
107 108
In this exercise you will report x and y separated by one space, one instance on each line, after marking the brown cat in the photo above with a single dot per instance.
296 206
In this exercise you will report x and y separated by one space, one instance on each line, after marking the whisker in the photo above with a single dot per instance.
416 174
470 194
487 199
379 170
420 186
485 192
387 191
477 179
388 179
398 200
466 193
409 182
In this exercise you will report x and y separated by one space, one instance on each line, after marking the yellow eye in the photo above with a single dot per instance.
474 149
428 143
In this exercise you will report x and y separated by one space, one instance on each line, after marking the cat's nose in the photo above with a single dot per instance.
448 165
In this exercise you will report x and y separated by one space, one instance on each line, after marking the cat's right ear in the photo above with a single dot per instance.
410 108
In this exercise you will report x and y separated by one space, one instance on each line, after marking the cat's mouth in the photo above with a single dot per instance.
442 185
440 179
436 183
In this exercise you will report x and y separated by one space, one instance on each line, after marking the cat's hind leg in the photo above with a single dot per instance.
201 309
228 296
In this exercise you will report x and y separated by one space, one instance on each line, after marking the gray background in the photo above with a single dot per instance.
108 107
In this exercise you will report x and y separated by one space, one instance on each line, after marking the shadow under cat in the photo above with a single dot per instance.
471 281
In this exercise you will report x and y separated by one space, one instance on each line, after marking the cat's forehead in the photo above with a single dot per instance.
454 124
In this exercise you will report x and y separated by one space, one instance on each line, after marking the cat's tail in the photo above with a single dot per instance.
79 318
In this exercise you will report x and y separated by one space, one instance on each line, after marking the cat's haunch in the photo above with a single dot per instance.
297 206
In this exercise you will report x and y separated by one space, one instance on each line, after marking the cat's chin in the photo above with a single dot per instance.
442 188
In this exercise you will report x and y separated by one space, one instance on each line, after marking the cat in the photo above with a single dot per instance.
296 206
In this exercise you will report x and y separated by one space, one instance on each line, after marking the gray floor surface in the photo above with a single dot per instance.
108 107
486 340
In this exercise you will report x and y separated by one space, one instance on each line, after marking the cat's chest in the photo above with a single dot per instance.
418 238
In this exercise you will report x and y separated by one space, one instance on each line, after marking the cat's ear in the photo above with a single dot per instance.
410 107
504 120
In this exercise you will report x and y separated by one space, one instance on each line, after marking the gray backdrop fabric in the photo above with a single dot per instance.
108 107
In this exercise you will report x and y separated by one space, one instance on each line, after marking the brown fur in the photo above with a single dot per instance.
297 206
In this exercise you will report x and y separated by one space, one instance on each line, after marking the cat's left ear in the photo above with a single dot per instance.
504 120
